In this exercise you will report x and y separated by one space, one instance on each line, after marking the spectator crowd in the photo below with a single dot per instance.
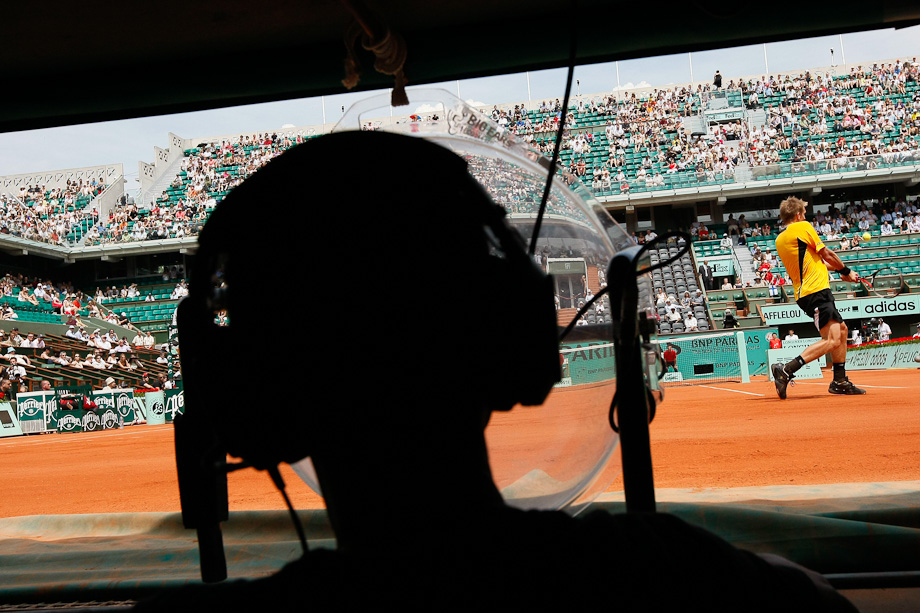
861 120
50 215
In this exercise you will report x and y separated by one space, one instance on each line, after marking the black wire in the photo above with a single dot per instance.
279 483
232 468
275 474
581 313
611 415
645 247
573 49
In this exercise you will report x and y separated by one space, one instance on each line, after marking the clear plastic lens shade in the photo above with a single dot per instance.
562 454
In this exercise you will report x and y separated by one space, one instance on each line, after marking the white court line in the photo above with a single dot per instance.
881 387
725 389
55 438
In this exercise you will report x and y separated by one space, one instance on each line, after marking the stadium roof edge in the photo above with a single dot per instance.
279 53
19 246
778 185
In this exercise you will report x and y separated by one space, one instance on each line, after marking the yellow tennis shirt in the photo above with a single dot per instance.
799 247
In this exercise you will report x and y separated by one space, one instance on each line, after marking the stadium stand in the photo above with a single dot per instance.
772 127
756 129
69 362
58 207
206 174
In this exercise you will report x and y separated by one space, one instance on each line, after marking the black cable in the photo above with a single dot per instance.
279 483
581 312
573 49
645 247
611 415
232 468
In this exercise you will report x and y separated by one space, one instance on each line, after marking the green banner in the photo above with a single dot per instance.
110 419
36 412
716 355
92 421
723 266
175 404
575 266
69 421
73 416
115 406
852 308
587 363
878 356
757 343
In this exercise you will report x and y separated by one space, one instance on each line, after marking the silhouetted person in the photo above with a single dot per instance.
399 448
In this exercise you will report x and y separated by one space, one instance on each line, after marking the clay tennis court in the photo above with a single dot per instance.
718 435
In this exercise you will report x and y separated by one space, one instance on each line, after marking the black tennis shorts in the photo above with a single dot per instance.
820 305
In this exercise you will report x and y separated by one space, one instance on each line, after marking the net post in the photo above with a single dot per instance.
742 358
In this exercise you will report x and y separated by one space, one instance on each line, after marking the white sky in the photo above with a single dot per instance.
130 141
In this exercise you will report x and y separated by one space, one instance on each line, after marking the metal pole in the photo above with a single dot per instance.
529 97
690 58
843 55
323 98
458 89
766 65
618 74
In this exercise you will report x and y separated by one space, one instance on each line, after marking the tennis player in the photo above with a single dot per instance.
807 261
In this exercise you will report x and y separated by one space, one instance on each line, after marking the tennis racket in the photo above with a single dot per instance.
886 282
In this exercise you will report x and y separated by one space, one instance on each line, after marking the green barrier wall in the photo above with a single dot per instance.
36 412
709 356
175 404
877 356
587 363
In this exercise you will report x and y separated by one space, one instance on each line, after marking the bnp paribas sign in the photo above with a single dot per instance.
854 308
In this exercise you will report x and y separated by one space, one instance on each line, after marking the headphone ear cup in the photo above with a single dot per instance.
539 337
224 396
527 362
218 388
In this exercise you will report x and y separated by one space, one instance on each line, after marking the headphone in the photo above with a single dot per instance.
401 206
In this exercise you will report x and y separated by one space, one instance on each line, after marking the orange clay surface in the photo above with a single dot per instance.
717 435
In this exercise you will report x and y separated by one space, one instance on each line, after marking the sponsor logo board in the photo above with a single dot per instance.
68 421
110 419
856 308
